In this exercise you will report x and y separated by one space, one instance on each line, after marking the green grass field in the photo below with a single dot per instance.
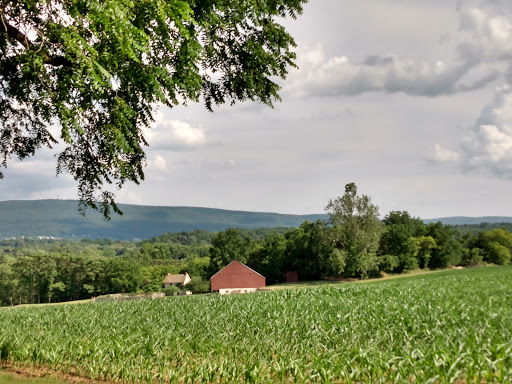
447 327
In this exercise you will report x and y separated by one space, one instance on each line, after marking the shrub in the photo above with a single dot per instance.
198 285
388 263
498 254
171 290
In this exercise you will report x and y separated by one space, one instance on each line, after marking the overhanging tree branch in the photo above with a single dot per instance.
21 38
122 63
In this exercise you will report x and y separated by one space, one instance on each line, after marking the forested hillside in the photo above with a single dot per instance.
466 220
483 226
60 219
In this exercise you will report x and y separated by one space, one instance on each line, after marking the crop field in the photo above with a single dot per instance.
446 327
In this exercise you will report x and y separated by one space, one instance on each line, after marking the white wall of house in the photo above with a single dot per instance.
228 291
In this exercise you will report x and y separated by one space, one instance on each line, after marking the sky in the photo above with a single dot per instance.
409 99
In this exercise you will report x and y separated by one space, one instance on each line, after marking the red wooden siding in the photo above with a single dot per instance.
292 277
236 275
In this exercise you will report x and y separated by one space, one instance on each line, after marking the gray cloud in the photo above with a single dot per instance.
34 183
487 146
481 47
388 73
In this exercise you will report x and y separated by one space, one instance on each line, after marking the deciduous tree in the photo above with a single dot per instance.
227 246
357 231
97 69
307 251
424 244
497 246
269 259
398 240
448 250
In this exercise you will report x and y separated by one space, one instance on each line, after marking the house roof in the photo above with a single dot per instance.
238 262
175 279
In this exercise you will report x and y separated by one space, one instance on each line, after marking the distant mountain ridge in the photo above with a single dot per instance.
466 220
60 219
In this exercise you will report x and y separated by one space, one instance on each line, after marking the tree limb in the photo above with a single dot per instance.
14 33
21 38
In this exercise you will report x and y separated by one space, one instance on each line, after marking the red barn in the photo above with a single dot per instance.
236 278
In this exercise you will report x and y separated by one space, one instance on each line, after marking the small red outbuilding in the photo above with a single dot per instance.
236 278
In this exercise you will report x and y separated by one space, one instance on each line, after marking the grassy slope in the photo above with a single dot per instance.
59 218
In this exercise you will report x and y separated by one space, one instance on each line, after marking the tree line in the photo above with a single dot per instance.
352 243
52 270
55 271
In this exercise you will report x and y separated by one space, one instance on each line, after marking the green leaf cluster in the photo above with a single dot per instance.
97 69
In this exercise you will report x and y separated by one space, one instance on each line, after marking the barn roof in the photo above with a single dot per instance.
238 262
175 279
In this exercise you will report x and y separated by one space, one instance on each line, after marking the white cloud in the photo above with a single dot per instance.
488 145
158 162
485 34
176 135
186 134
444 155
230 163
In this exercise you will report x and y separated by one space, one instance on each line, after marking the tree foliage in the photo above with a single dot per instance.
98 68
307 251
269 258
497 246
424 244
400 240
357 232
171 290
448 250
197 285
227 246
